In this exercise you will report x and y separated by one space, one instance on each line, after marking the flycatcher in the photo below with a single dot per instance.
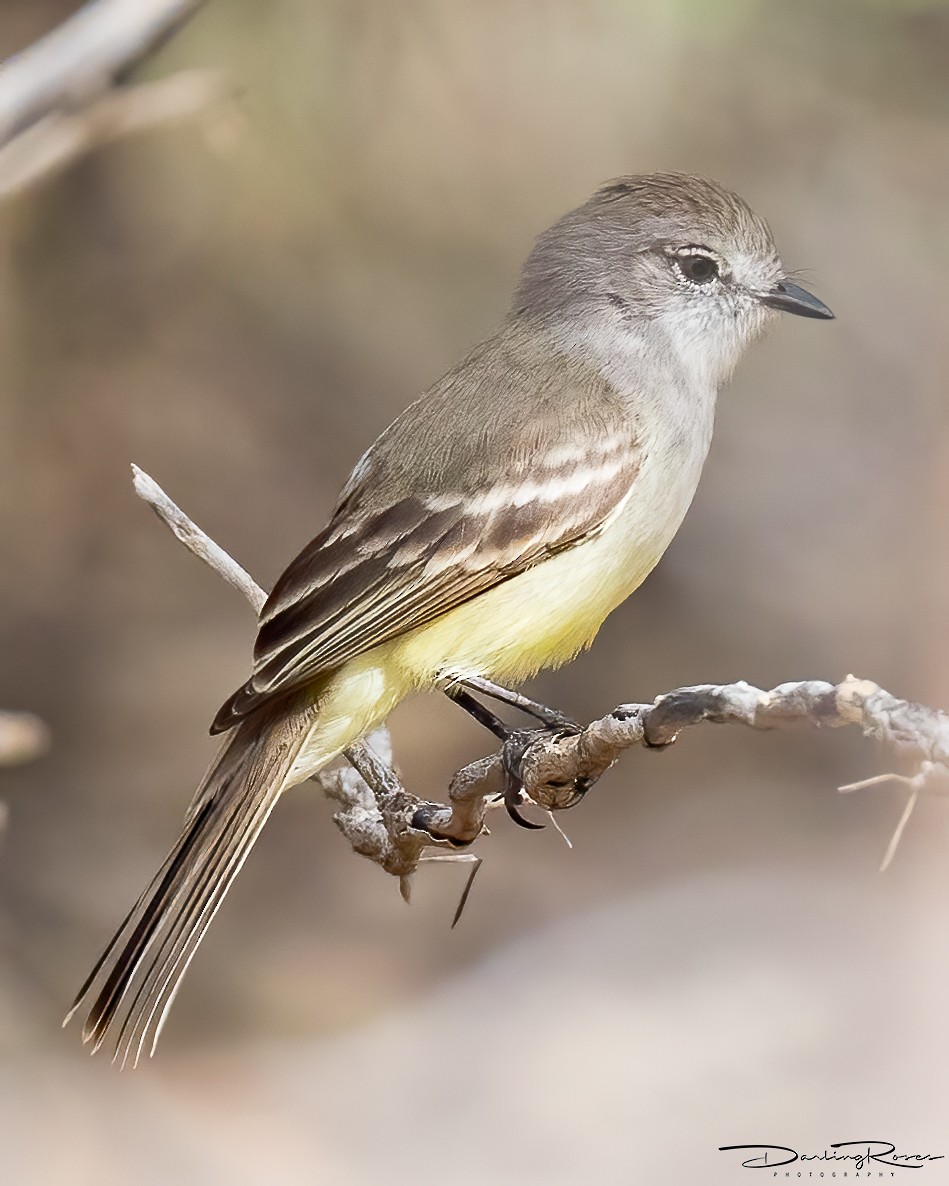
485 535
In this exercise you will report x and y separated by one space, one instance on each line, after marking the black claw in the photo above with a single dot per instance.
514 749
511 809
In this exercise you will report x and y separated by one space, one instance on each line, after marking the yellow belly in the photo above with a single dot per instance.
538 619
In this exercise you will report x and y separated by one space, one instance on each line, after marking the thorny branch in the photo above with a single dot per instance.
386 823
69 92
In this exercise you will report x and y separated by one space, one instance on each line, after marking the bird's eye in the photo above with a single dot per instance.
697 268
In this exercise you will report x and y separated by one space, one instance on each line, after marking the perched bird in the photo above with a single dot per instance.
485 535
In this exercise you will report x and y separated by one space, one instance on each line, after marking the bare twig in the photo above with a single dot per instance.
67 93
84 55
54 143
553 767
394 828
195 540
931 777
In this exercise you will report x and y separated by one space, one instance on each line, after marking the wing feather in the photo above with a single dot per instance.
337 601
408 544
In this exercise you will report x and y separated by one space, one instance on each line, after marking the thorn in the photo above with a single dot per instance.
520 820
476 864
898 832
566 838
917 783
863 783
457 858
405 888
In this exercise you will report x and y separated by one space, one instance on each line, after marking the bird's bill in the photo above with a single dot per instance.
791 298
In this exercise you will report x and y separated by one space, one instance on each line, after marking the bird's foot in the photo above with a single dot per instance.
557 796
517 742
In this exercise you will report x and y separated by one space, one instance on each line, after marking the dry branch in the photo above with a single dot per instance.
386 823
67 93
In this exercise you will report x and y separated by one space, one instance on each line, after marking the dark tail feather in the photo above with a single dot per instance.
156 942
235 708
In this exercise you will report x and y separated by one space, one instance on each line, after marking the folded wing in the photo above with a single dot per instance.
378 572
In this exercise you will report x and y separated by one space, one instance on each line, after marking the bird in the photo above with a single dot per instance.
485 535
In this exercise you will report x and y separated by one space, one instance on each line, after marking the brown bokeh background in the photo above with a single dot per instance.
240 306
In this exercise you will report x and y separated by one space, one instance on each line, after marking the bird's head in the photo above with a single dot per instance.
664 252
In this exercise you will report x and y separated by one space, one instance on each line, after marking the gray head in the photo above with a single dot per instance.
676 253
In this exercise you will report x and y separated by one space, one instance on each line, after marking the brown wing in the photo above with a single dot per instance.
372 575
514 455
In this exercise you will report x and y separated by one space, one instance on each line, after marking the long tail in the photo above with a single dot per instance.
150 953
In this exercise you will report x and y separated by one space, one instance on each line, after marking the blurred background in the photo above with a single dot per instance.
239 305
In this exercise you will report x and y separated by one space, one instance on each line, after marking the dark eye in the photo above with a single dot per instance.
700 269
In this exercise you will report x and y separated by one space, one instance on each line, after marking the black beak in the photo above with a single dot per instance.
790 298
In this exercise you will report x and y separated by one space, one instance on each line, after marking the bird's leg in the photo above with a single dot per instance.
550 717
515 744
484 716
